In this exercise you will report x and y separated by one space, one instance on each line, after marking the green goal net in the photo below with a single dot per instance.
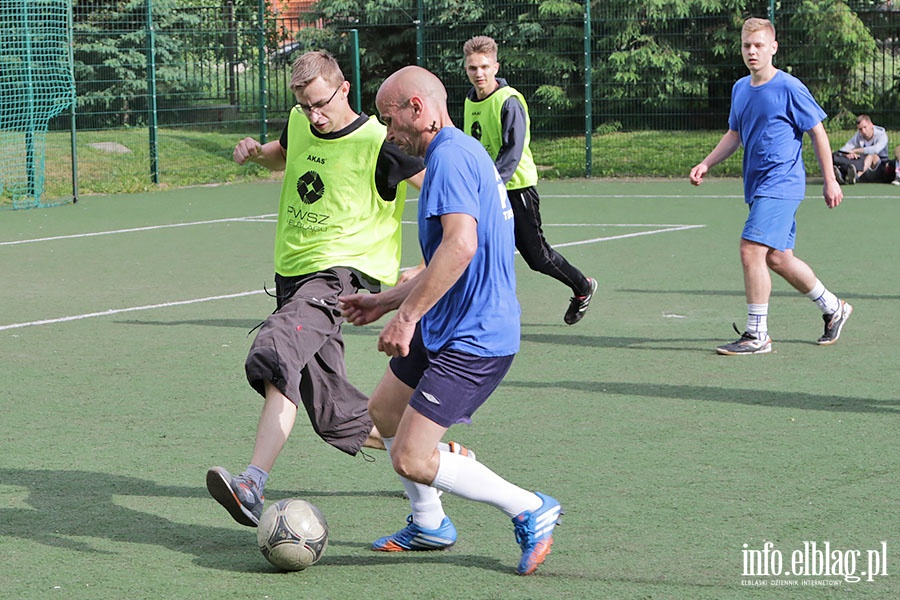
36 84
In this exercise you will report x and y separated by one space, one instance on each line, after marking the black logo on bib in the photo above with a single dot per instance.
476 130
310 187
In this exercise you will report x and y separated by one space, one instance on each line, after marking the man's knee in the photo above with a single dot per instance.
778 261
410 467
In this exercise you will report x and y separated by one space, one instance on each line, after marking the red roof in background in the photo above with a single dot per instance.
289 11
291 8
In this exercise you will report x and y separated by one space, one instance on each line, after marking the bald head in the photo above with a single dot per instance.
411 81
412 102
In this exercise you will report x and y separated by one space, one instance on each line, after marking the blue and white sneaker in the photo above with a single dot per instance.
413 537
534 533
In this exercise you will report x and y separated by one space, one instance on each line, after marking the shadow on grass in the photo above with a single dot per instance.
740 293
247 324
668 344
750 397
67 508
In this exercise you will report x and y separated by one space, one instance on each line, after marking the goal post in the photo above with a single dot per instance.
36 84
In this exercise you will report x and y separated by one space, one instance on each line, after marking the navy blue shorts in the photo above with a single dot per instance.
449 385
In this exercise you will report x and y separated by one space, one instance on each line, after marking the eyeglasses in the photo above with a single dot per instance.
318 106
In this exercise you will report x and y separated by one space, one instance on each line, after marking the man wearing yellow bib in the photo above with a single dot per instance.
496 114
338 231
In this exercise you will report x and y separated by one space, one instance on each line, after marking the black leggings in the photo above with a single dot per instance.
530 242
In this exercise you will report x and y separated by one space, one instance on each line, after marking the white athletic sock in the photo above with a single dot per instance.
472 480
758 320
827 302
424 502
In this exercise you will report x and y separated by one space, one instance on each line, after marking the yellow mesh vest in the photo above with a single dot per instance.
331 214
482 121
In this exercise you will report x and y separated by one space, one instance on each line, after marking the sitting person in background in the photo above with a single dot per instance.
863 158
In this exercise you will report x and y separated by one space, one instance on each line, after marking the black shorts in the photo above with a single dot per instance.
299 348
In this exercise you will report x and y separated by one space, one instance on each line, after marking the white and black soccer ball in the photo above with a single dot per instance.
292 534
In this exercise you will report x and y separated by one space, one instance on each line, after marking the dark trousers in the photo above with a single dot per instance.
530 242
842 161
882 173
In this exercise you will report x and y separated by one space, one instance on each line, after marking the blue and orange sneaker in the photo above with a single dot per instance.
534 533
413 537
238 495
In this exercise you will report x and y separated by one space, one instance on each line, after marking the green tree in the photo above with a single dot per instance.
653 61
835 42
541 43
110 51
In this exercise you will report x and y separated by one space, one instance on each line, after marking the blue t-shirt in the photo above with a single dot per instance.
771 119
480 314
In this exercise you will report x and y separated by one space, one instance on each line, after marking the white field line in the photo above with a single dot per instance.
116 311
133 229
665 229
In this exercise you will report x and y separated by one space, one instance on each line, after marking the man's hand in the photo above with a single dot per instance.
246 149
697 174
361 309
396 336
832 192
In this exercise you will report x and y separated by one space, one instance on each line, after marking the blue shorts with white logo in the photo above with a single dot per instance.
449 385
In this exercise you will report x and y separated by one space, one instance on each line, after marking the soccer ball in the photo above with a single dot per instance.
292 534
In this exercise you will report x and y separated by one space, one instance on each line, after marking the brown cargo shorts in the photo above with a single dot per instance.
300 349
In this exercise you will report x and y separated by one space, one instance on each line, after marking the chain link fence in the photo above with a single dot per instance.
158 83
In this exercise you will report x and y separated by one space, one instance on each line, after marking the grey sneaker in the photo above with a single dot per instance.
748 344
838 175
238 495
834 323
852 175
578 305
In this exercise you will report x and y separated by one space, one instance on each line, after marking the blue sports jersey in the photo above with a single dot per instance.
771 119
480 314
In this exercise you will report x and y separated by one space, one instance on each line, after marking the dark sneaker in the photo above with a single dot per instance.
838 175
413 538
852 175
534 533
238 495
578 305
748 344
834 323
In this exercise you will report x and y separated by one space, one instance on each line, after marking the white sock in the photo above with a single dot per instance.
424 502
827 302
472 480
758 320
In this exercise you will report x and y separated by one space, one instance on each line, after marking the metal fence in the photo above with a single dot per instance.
146 76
